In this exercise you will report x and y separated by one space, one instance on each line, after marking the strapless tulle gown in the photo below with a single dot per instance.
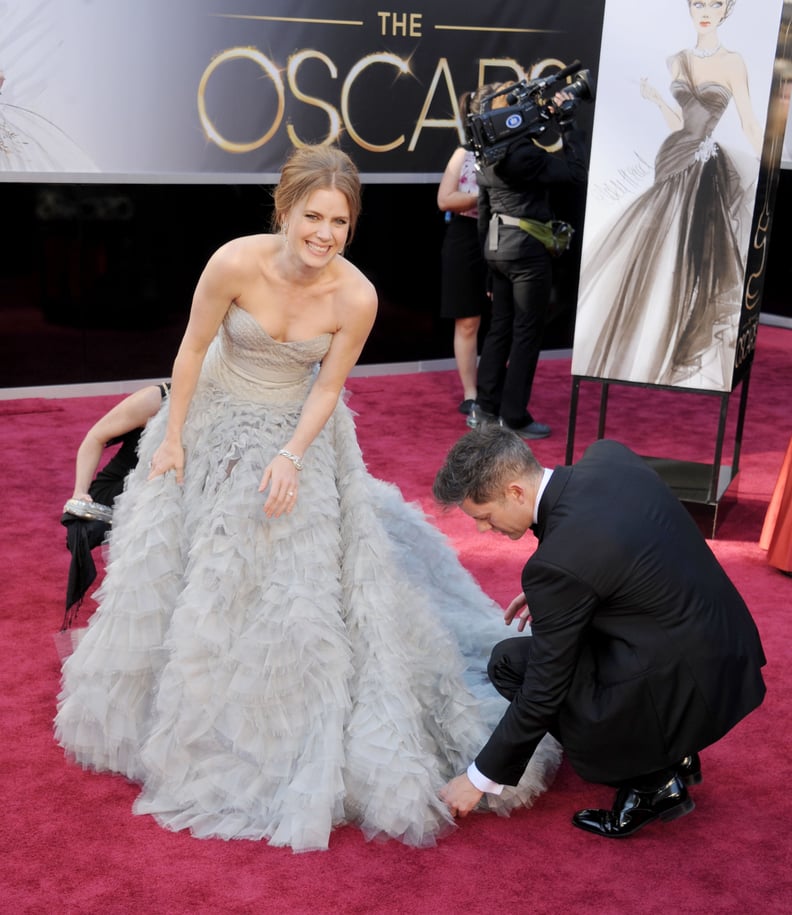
273 679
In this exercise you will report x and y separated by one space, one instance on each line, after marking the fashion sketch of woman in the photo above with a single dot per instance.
661 289
30 53
29 142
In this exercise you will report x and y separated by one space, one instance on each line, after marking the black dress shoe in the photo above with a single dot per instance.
689 770
530 430
634 809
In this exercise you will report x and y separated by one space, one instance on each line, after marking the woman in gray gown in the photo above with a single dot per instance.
282 644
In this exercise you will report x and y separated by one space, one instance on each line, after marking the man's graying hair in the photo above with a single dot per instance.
481 464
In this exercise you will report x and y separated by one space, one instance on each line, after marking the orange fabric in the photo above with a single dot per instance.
776 536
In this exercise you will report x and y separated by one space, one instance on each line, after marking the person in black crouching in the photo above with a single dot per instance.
641 651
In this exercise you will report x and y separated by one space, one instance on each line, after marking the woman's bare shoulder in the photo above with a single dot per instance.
457 158
356 280
674 63
243 254
357 300
246 245
733 61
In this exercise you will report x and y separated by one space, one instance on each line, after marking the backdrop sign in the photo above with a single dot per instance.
189 90
685 157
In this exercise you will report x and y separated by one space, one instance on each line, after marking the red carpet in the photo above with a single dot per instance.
71 845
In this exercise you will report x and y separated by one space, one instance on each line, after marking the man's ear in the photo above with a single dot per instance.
516 490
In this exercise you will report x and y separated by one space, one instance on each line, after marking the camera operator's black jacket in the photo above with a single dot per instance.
518 185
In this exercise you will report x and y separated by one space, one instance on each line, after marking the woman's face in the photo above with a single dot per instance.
707 15
318 226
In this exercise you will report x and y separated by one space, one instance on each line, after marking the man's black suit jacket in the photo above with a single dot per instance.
642 650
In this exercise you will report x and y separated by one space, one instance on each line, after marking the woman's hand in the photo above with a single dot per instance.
169 456
282 477
649 92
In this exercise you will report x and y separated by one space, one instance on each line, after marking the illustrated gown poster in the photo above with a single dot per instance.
676 146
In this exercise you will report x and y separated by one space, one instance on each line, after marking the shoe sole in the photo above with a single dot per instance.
683 809
479 423
532 436
687 806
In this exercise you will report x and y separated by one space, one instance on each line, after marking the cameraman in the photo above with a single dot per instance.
516 187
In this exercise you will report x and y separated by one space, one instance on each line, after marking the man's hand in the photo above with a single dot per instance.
460 796
518 608
564 106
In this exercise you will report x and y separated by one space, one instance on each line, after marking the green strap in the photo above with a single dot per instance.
540 230
554 236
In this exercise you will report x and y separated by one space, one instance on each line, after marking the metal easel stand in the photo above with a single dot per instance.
692 481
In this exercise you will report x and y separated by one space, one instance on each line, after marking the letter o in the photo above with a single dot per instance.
269 68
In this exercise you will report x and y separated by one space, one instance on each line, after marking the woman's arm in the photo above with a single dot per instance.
672 116
737 80
133 412
218 286
449 197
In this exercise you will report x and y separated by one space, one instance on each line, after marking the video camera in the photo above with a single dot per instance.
527 111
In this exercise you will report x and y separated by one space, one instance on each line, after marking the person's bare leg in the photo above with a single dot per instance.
466 353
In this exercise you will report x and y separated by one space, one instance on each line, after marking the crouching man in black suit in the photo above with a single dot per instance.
641 651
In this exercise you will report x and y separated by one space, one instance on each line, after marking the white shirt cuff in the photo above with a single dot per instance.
482 782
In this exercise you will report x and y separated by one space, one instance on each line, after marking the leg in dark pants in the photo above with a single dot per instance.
506 670
520 295
531 282
507 664
497 344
